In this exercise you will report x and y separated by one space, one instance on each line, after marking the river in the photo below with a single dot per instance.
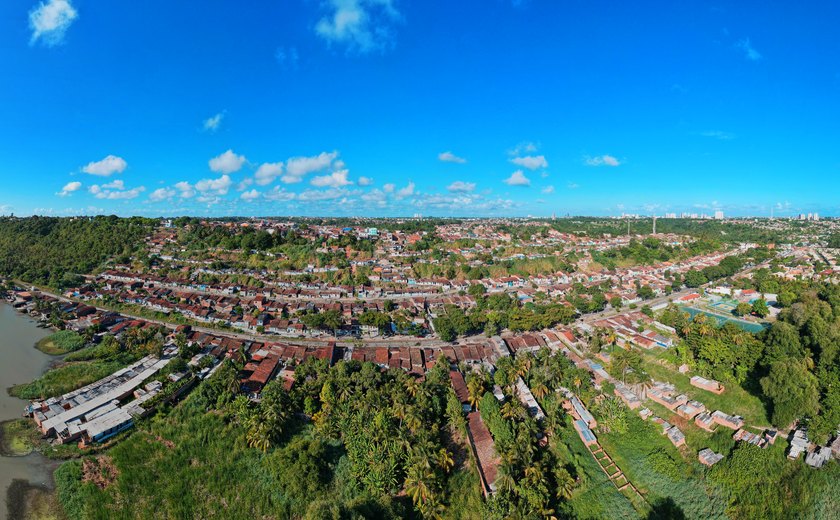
20 362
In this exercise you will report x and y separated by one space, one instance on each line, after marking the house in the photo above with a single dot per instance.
799 444
690 409
676 437
747 436
582 412
484 451
734 422
460 387
818 457
707 384
585 433
705 421
709 458
627 395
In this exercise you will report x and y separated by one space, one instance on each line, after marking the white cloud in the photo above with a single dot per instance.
162 194
603 160
461 187
517 178
573 186
451 157
244 184
106 167
365 181
333 180
360 25
320 195
227 162
185 190
267 172
378 197
50 21
218 186
115 191
749 51
523 147
250 196
117 184
532 162
211 124
548 189
297 167
280 195
407 191
389 187
69 188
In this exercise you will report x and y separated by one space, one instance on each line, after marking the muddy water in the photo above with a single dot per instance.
19 363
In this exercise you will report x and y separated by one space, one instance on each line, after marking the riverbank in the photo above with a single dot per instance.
26 478
18 438
29 501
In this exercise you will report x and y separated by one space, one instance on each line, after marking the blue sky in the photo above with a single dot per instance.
399 107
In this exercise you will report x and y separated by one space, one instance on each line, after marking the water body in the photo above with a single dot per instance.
20 362
720 320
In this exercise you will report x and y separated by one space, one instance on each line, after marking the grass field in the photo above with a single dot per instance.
595 496
672 485
61 342
65 378
734 400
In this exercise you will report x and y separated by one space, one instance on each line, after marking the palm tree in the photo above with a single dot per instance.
475 389
418 484
509 410
540 390
258 435
411 386
565 483
523 365
505 481
444 460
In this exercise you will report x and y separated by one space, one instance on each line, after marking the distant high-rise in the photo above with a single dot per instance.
718 215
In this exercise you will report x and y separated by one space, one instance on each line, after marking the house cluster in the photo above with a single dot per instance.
101 409
815 456
636 328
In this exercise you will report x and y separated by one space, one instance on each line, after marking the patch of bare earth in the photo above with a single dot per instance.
100 471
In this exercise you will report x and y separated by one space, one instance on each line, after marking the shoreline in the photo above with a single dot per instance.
25 497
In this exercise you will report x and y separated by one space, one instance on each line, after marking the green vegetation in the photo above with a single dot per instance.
54 251
660 472
372 435
497 312
763 483
64 378
61 342
652 250
18 437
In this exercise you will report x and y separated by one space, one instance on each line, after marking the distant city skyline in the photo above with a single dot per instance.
391 108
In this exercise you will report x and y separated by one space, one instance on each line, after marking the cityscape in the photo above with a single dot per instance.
385 259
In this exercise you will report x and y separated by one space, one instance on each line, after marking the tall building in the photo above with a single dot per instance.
718 215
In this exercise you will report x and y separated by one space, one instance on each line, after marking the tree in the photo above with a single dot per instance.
645 292
444 329
615 302
782 342
694 279
476 290
760 309
742 309
793 391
